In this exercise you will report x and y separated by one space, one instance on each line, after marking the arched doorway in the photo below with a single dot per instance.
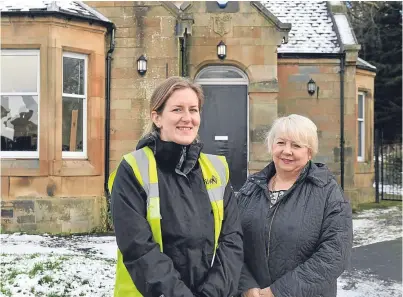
224 126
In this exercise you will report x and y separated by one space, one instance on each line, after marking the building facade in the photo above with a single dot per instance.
92 100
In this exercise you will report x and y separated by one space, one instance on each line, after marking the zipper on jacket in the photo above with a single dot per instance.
278 202
271 223
212 260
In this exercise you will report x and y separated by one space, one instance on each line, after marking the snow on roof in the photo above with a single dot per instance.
365 64
312 27
69 7
346 34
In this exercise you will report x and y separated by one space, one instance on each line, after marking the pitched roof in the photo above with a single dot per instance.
312 28
37 7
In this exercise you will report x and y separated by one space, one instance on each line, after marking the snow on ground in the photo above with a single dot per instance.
54 266
377 225
359 284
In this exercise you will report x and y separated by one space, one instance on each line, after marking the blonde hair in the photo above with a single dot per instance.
297 128
164 91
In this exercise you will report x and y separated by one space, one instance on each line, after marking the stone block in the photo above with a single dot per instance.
168 25
5 187
258 152
304 69
247 32
261 72
247 55
124 125
268 86
200 31
125 145
34 186
159 11
127 93
26 219
132 135
121 104
82 186
162 47
259 133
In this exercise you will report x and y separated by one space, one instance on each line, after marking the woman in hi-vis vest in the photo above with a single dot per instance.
174 212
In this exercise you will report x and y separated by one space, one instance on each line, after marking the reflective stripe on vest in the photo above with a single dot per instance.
215 174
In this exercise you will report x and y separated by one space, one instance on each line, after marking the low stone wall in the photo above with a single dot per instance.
53 214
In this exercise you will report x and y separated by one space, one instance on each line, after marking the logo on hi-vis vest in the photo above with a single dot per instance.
211 181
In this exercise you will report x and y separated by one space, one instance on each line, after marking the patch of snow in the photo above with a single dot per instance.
312 28
85 265
345 30
359 284
102 247
390 189
365 63
377 225
72 7
73 275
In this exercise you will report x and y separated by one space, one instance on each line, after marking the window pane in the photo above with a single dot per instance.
19 73
19 123
72 133
73 76
221 72
360 106
360 126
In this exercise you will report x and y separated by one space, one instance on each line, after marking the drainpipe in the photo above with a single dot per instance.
183 54
108 110
182 48
342 69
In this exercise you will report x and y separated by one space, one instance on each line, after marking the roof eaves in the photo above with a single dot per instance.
364 65
297 55
280 25
94 12
57 13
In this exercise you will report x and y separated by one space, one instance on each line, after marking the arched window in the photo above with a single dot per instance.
222 75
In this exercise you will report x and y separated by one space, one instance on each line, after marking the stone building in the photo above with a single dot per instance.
85 101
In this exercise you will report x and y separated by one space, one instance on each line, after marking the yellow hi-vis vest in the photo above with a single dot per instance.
215 174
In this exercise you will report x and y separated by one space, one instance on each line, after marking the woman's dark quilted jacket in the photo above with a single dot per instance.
301 245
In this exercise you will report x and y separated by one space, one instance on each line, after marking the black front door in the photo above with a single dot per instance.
223 128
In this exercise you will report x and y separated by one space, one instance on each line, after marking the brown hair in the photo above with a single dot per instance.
164 91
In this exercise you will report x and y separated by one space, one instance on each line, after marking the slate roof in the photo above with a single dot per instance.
312 31
36 7
312 28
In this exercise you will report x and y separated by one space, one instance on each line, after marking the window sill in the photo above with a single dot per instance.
23 167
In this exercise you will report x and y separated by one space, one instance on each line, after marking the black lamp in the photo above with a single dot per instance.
142 65
221 50
311 87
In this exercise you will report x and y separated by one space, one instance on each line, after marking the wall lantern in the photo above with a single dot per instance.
142 65
311 87
221 50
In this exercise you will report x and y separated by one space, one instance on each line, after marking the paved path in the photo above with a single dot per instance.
382 259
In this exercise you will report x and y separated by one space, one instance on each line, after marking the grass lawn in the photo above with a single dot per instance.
374 205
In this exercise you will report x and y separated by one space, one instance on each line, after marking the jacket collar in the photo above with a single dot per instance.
170 155
317 173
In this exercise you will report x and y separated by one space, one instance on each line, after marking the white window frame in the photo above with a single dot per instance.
83 154
361 154
25 52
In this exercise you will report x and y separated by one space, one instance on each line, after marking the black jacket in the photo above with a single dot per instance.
301 245
187 224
